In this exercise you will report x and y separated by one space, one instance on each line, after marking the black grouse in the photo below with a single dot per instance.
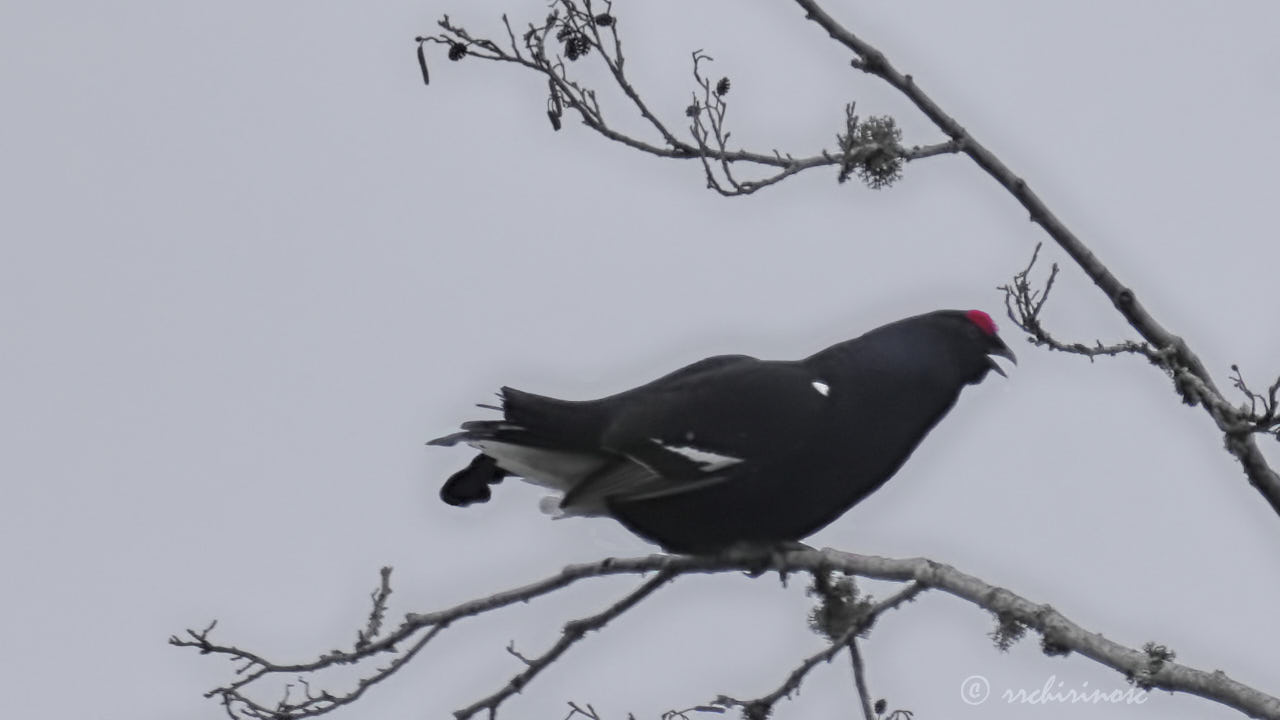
732 450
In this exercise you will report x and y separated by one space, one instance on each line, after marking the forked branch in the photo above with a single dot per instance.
1259 413
587 30
1023 303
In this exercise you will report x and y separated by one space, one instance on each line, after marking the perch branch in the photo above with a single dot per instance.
1145 668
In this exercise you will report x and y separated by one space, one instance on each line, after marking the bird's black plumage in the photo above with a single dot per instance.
732 449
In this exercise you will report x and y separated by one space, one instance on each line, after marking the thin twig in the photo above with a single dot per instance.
1264 410
379 612
710 145
1023 304
860 680
761 707
573 632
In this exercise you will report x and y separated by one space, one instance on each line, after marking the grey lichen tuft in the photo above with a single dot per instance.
870 149
1007 632
1052 647
840 608
1157 656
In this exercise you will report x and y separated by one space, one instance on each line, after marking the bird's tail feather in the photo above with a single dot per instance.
567 423
546 441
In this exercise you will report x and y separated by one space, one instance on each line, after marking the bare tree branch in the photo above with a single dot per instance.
1023 304
576 25
1151 667
860 680
761 707
573 632
1264 411
575 710
684 714
379 612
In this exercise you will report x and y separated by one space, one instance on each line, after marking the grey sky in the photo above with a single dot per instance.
249 265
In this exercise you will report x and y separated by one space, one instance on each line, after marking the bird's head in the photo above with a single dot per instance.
944 348
978 332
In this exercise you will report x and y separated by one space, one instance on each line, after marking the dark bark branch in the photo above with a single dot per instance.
379 612
860 680
573 632
761 707
1023 304
709 146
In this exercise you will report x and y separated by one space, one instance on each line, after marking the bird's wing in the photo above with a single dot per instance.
578 424
684 430
708 429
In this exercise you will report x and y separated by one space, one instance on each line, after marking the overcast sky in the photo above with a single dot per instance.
249 265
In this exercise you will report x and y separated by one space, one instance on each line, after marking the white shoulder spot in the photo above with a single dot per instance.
707 460
822 387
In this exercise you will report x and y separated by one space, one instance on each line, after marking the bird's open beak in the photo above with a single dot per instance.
1005 352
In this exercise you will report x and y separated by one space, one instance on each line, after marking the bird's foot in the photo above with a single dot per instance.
762 557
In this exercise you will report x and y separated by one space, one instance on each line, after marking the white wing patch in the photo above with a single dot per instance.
822 387
709 461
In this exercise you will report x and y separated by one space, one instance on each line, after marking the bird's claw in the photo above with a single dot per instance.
763 557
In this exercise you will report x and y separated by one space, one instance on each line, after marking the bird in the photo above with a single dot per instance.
733 451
